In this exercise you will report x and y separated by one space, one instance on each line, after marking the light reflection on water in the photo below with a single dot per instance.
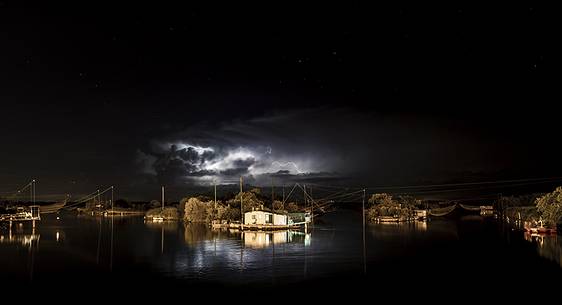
194 252
548 246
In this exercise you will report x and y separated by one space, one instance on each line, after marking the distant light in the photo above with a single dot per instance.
58 235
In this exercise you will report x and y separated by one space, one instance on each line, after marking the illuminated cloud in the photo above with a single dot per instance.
254 149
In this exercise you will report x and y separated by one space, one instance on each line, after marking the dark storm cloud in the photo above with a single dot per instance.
329 145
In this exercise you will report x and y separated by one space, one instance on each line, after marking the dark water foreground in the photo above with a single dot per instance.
77 255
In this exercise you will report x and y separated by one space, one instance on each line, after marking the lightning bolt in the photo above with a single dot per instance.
287 164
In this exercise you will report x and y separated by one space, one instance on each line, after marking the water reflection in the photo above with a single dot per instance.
548 246
26 240
167 226
266 239
394 229
195 234
195 252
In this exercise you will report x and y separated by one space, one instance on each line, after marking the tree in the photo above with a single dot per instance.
292 207
383 198
409 202
384 205
250 201
195 210
278 205
231 214
549 207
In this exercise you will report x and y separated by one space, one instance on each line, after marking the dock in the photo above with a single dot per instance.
22 215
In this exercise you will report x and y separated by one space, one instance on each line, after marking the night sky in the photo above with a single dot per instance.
139 95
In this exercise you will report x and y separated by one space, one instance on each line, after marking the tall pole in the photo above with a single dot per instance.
215 183
162 198
283 195
272 197
241 203
304 195
112 200
112 216
311 206
364 251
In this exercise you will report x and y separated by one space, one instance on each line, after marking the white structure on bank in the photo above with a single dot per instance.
265 218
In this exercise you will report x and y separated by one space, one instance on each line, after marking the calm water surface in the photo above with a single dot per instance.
74 249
